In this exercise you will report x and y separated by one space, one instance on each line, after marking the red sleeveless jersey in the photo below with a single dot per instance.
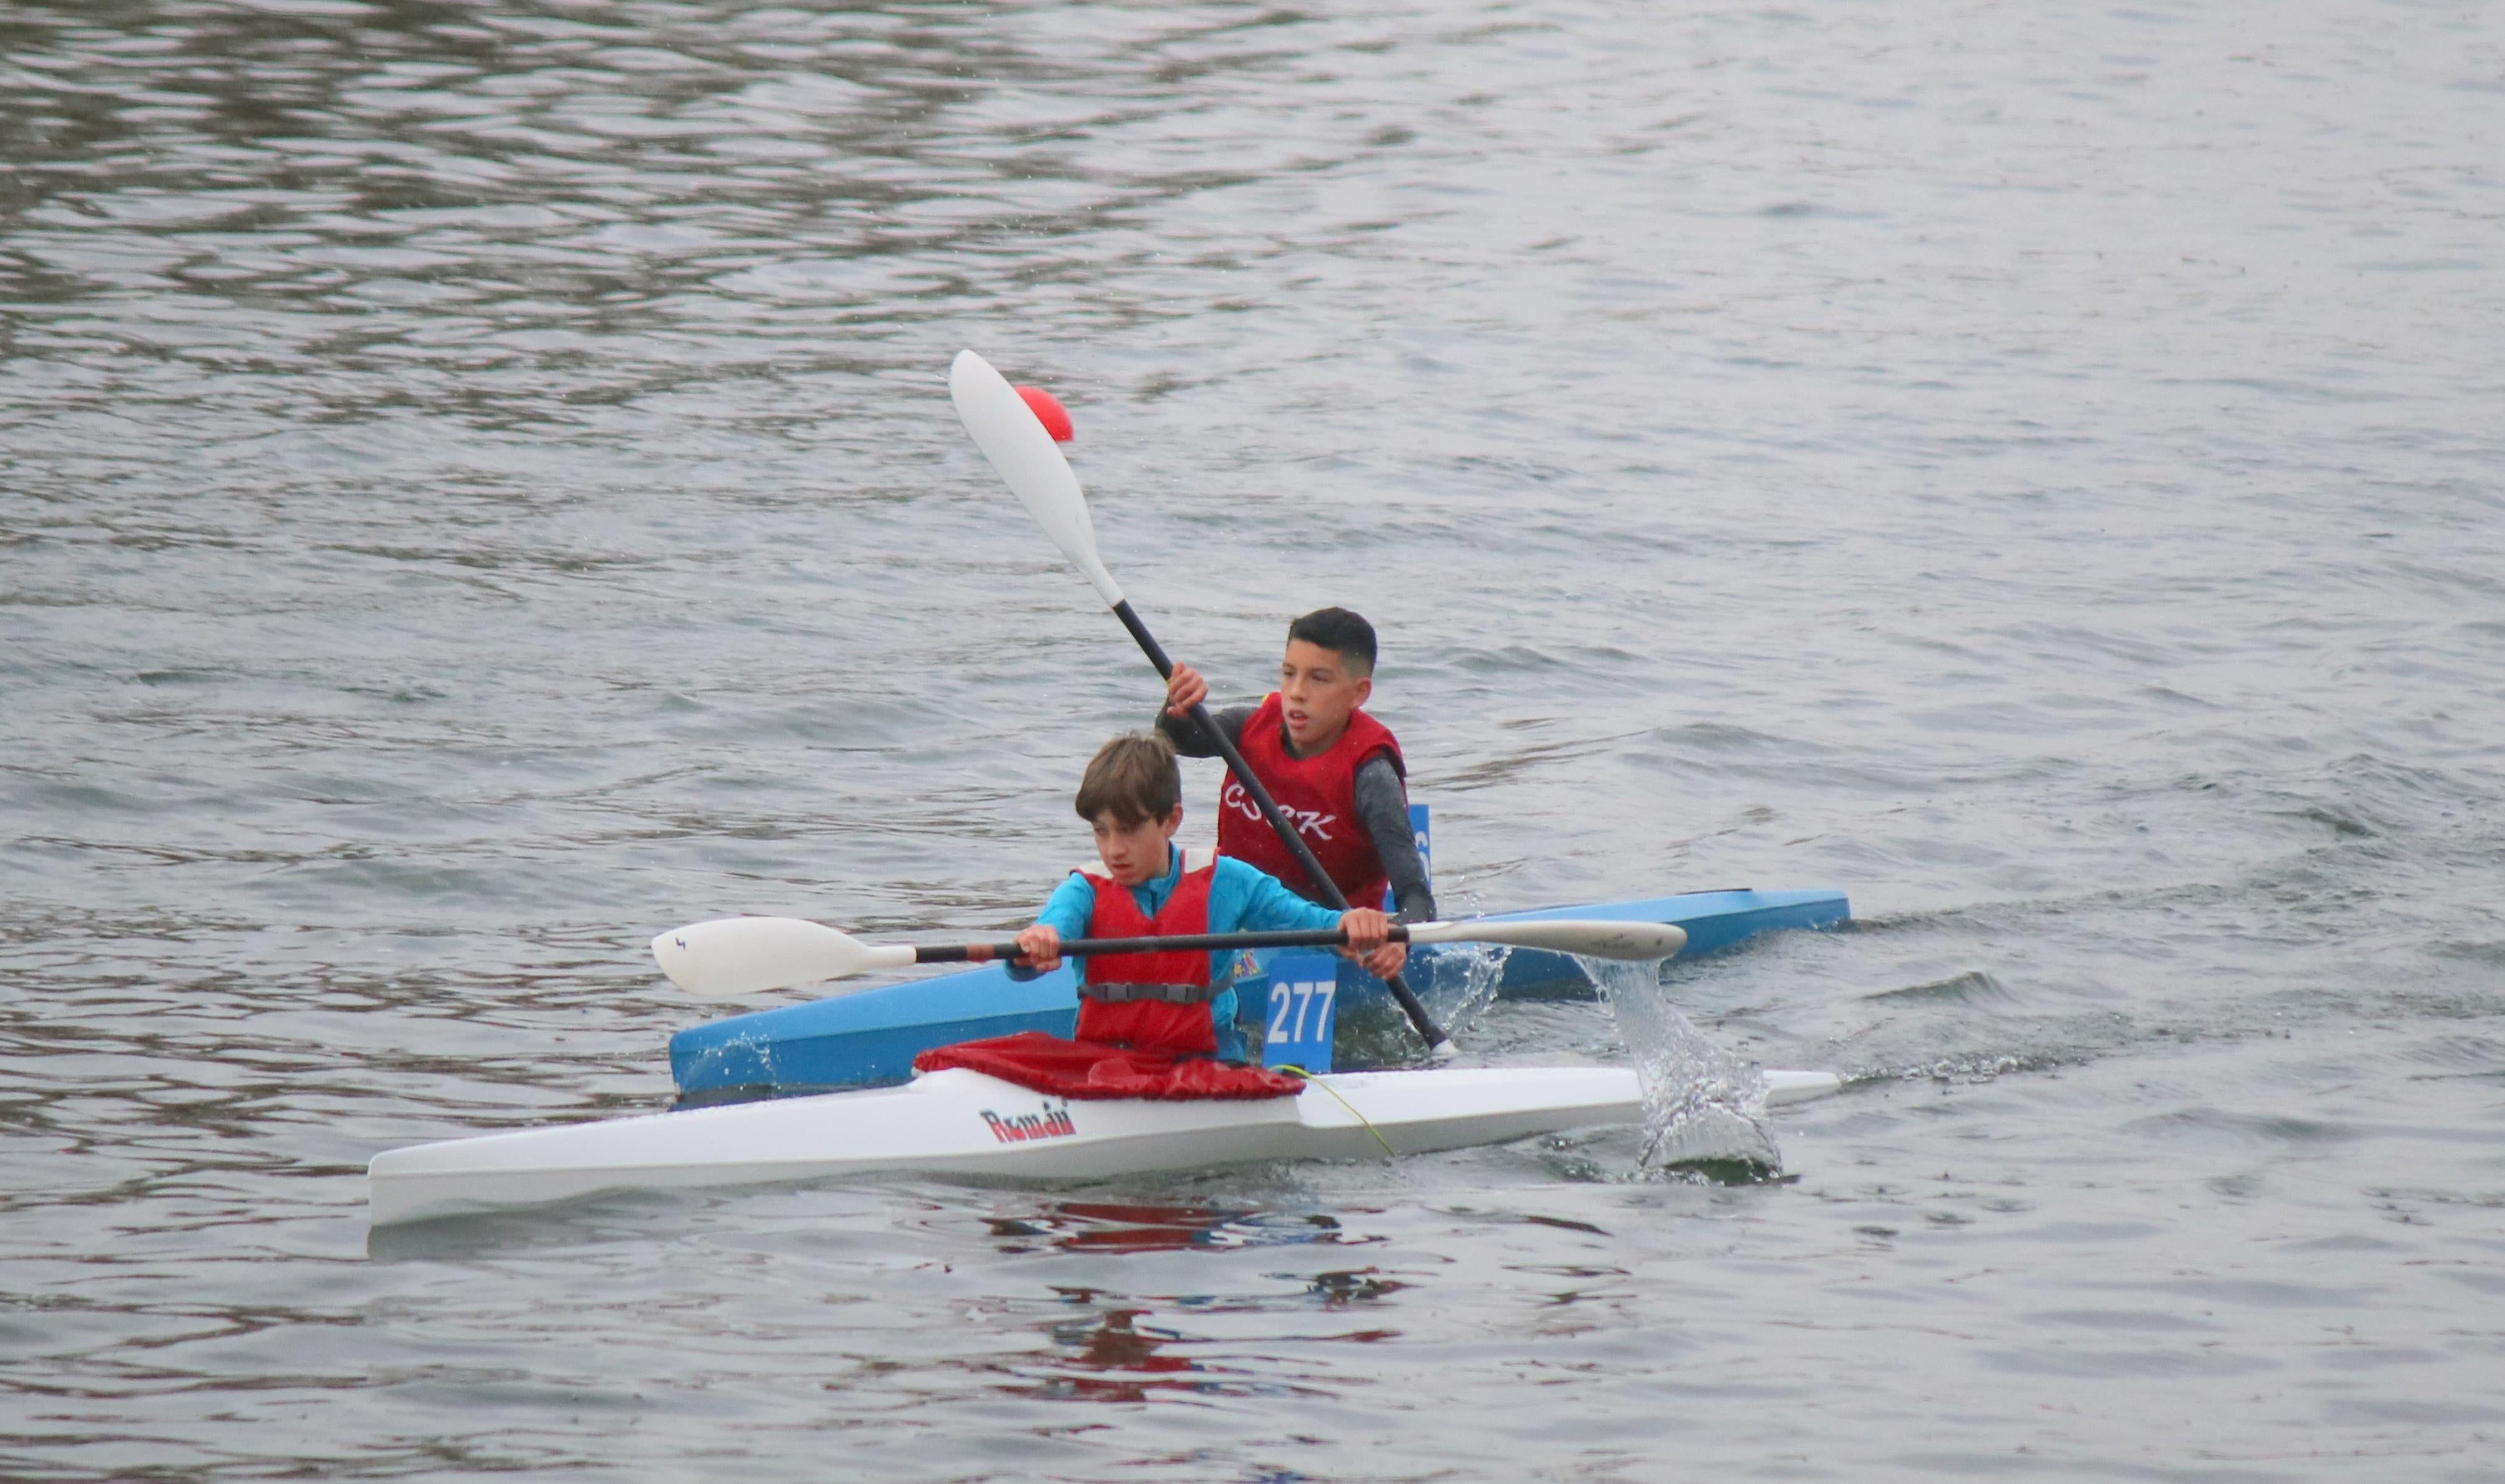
1318 796
1151 1025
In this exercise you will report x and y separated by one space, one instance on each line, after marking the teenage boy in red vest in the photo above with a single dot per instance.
1150 1024
1335 771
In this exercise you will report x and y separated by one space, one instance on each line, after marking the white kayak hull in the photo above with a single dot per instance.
965 1124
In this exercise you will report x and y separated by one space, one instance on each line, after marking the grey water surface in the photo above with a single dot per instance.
476 488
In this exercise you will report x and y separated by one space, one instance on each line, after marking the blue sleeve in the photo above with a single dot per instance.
1245 897
1067 911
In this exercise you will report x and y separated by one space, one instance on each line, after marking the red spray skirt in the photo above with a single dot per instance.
1096 1069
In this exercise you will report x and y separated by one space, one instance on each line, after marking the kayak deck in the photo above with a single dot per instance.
871 1036
965 1124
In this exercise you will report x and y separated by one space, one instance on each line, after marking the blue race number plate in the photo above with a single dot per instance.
1304 990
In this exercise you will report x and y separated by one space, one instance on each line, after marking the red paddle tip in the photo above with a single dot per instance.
1049 411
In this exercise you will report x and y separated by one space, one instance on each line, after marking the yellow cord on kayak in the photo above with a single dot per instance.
1311 1081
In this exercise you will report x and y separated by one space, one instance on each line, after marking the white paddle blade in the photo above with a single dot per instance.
1013 439
1598 939
734 956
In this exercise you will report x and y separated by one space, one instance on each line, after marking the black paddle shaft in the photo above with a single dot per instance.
1180 942
1322 883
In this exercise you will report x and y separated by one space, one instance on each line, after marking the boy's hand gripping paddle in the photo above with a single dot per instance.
1007 432
733 956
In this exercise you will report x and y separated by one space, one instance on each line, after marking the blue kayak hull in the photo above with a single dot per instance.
872 1038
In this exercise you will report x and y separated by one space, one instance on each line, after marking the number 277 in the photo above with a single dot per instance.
1300 1000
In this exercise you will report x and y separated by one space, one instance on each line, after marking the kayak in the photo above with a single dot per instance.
869 1038
965 1124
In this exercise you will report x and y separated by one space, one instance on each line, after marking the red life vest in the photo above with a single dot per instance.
1317 794
1151 1025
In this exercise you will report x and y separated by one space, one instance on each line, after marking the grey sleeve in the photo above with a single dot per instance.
1189 740
1383 808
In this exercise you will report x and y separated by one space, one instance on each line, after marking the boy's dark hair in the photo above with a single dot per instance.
1341 632
1132 778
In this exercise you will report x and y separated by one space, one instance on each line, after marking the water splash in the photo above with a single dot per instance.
1703 1105
1457 983
1461 985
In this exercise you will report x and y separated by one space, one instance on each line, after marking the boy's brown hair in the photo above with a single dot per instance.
1133 778
1342 632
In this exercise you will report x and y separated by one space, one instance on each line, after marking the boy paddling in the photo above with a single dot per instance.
1335 771
1156 1025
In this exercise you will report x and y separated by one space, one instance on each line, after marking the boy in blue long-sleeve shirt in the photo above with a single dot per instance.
1132 799
1151 1024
